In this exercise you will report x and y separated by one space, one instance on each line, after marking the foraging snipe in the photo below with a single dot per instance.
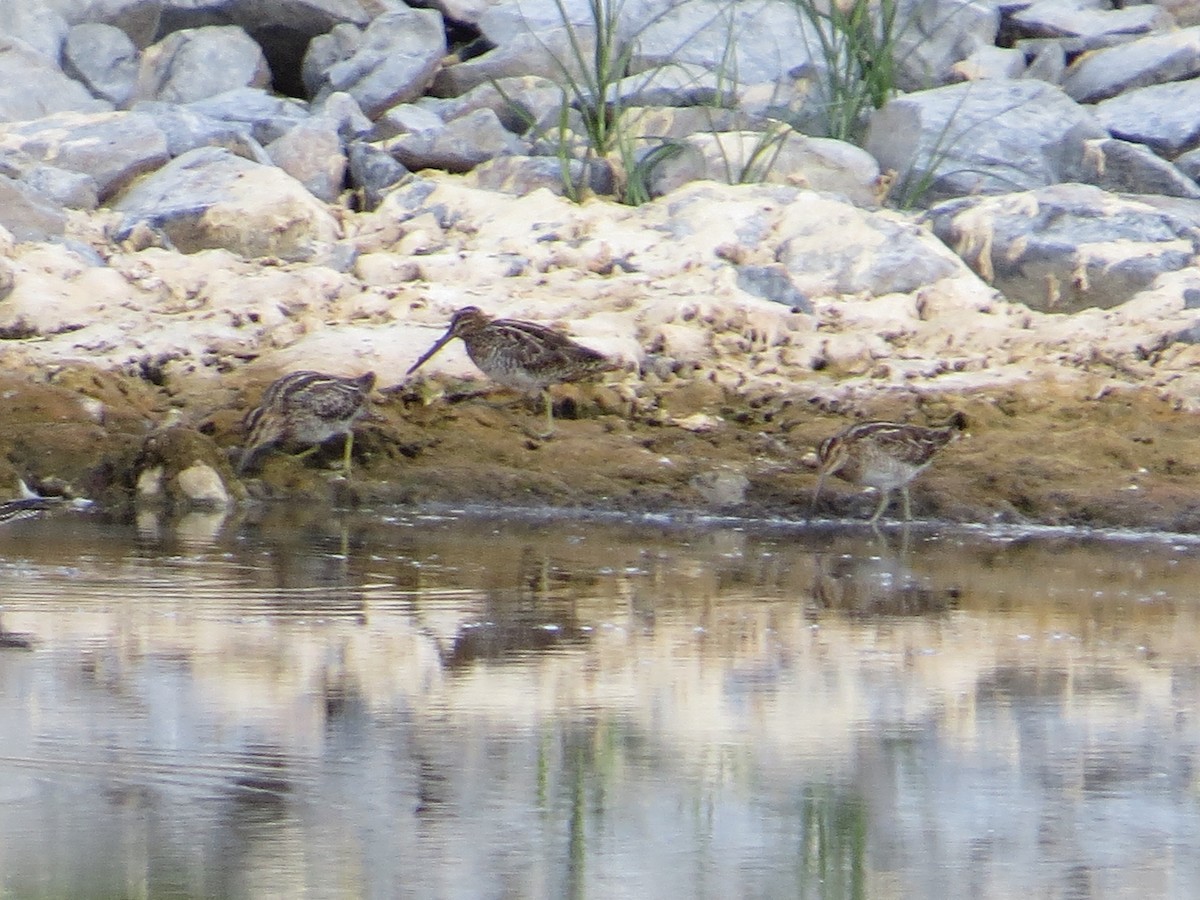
884 455
520 355
306 408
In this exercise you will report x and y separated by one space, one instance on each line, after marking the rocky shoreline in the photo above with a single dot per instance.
176 232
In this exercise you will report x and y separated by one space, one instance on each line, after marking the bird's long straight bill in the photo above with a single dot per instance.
441 342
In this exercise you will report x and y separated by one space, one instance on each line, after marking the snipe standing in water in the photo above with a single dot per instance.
306 408
883 455
520 355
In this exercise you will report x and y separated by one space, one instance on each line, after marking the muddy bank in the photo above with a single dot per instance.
1061 455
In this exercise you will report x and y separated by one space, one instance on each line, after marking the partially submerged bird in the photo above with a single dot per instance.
883 455
26 508
524 356
306 408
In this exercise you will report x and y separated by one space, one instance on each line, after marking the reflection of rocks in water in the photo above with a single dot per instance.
345 705
315 567
541 576
254 822
1073 724
510 641
13 640
538 616
1006 684
875 586
195 528
434 787
262 781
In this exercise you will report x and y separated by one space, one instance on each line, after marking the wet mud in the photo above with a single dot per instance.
1059 456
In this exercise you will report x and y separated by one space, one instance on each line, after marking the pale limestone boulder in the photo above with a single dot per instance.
393 62
325 51
522 175
1162 116
829 246
1047 62
990 62
60 287
1184 12
284 19
547 54
73 190
467 11
773 282
140 19
32 86
746 43
268 117
1189 164
8 277
981 137
680 84
104 59
201 485
407 118
653 124
312 154
186 129
459 146
936 34
181 468
826 245
112 148
1081 26
38 27
518 102
198 63
210 198
502 23
27 214
1069 247
346 115
780 157
1131 168
1155 59
372 172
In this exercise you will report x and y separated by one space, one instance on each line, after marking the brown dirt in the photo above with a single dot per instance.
1051 456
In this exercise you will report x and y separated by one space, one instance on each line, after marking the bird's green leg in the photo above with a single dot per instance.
907 504
812 509
549 415
883 502
349 447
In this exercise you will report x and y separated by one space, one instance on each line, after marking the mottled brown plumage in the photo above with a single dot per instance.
306 408
524 356
884 455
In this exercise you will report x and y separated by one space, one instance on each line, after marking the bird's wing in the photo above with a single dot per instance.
335 399
544 347
911 444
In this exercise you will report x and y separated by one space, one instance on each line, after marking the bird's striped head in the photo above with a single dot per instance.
464 322
467 320
832 454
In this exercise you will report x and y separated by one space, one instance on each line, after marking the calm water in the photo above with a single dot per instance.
486 707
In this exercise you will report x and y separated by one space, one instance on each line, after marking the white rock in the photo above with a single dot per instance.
202 485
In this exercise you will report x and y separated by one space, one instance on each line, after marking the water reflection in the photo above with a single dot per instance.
402 705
